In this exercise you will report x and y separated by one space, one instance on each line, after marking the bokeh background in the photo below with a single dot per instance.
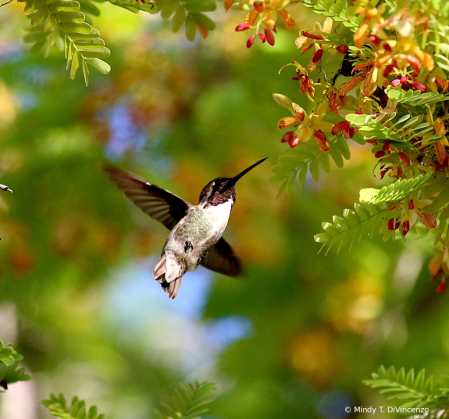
294 338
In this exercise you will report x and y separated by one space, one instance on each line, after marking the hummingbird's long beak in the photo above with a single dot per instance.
233 181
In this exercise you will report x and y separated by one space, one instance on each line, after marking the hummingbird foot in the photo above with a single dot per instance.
188 246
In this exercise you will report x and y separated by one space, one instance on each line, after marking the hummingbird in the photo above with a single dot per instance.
195 230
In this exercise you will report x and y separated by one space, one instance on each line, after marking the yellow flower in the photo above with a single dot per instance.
308 125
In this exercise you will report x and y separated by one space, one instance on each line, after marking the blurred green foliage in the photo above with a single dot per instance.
9 360
181 114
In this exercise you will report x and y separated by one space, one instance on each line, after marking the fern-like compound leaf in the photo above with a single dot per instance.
307 157
9 362
398 132
414 97
60 408
338 11
353 225
188 401
52 20
396 191
417 391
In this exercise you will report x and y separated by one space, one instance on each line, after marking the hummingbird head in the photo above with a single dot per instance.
222 189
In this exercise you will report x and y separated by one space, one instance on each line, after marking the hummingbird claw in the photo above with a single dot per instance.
188 246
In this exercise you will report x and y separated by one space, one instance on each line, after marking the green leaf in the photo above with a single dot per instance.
399 190
190 28
37 47
342 145
414 391
75 64
9 361
81 28
201 6
187 401
89 7
203 21
337 10
70 17
315 169
178 19
99 65
58 407
92 43
336 156
100 52
64 6
168 8
414 97
353 224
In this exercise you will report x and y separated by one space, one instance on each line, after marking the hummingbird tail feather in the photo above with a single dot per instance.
174 267
159 270
172 288
170 279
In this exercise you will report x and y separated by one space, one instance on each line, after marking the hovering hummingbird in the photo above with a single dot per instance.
195 230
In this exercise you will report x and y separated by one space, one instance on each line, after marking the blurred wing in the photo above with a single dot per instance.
158 203
222 259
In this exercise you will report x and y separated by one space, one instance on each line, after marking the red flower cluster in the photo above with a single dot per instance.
406 85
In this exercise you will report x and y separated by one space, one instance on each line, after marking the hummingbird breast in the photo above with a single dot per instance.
197 232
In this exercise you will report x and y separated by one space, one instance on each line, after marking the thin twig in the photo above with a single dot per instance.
4 4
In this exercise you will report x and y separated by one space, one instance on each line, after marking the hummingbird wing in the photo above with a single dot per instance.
221 259
158 203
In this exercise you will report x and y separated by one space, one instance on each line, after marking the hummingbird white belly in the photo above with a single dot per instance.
193 236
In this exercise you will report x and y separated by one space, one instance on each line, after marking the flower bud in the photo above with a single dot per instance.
359 112
374 39
419 86
269 36
405 227
288 136
294 141
313 36
404 158
379 154
396 82
411 205
242 27
388 69
262 37
387 47
341 126
342 49
392 225
403 79
250 42
317 55
441 287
